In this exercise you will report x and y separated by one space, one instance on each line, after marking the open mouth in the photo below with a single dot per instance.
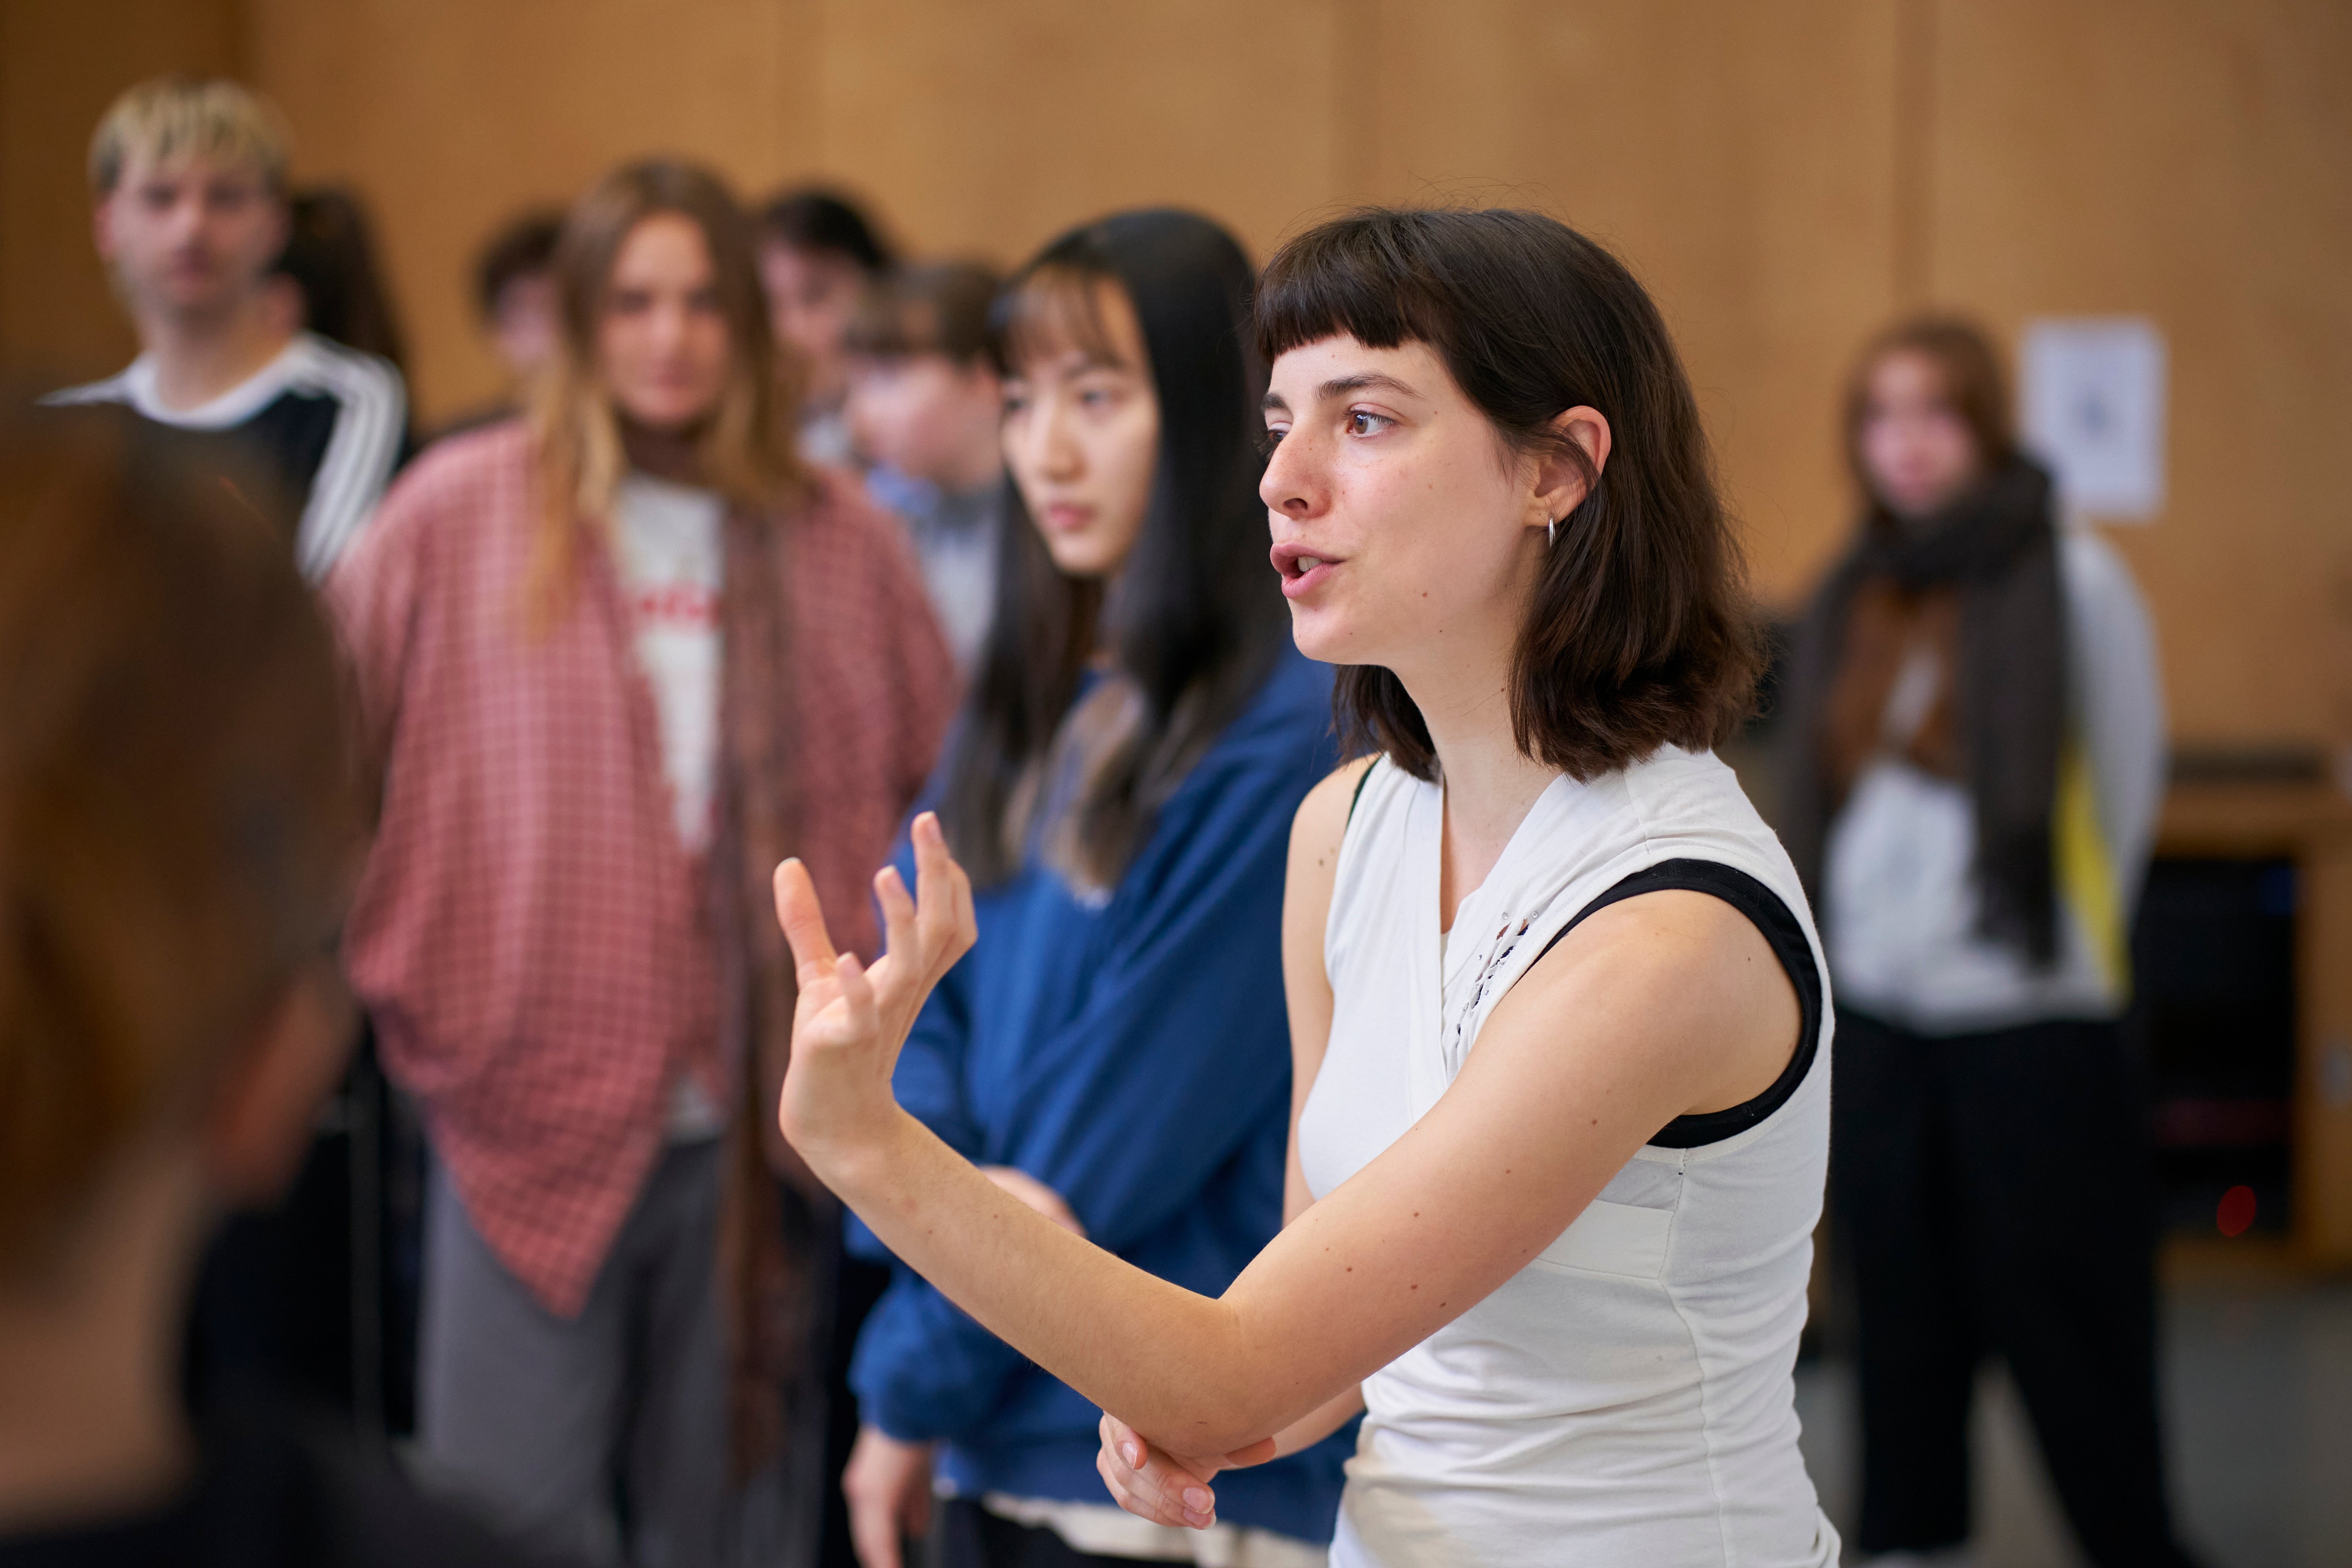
1302 570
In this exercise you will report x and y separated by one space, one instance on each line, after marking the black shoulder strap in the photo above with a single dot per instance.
1786 937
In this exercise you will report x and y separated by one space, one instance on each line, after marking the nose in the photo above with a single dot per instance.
1293 484
1041 442
187 220
669 318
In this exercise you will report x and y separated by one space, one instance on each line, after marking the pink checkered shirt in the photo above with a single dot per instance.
529 936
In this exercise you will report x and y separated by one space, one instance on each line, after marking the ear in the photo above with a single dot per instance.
1559 484
260 1120
101 225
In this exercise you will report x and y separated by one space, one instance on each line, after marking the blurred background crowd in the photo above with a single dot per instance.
2022 338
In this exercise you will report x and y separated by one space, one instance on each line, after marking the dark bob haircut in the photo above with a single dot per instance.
1639 634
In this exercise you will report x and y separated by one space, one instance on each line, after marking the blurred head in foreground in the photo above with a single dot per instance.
179 829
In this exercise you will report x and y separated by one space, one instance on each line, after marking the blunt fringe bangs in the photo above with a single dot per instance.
1639 633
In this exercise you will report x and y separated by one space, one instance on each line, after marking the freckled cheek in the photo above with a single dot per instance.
1389 535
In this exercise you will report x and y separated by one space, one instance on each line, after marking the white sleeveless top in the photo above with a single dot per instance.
1626 1399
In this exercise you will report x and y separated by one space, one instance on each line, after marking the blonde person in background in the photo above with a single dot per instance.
595 649
1976 756
180 822
188 179
194 223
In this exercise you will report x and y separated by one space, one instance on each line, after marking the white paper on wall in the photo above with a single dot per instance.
2094 407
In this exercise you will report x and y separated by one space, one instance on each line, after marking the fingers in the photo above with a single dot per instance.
886 1484
874 1531
915 1507
1151 1484
898 911
943 912
864 1020
798 911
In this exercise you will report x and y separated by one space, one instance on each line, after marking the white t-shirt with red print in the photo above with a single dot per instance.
668 545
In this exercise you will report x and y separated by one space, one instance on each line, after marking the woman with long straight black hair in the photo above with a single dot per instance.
1138 735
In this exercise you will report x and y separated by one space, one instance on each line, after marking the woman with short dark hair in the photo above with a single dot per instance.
1562 1088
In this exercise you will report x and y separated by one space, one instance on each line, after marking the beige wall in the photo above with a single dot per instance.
60 65
2193 162
1783 176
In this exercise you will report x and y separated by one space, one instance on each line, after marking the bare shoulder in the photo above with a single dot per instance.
1315 834
1321 821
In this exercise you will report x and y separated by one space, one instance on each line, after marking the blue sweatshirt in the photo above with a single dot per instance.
1135 1058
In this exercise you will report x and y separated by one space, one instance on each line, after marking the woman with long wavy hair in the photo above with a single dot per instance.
598 649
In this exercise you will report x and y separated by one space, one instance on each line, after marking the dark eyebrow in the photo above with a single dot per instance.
1365 383
1340 386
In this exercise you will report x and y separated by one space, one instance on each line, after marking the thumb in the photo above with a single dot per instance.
1257 1452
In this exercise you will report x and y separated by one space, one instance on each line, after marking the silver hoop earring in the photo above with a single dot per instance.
1551 533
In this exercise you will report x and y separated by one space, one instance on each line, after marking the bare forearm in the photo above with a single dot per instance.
1320 1423
1173 1364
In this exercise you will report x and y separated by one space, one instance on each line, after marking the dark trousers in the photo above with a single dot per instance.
969 1536
1993 1194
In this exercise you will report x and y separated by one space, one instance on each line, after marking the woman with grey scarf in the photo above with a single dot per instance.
1975 761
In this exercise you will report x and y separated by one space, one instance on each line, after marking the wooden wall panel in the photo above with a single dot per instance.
1783 177
2187 162
988 128
1736 157
449 115
60 65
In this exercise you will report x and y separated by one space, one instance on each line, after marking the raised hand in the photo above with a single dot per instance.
851 1020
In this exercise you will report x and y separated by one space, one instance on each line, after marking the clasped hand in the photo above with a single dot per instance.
851 1019
1153 1484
